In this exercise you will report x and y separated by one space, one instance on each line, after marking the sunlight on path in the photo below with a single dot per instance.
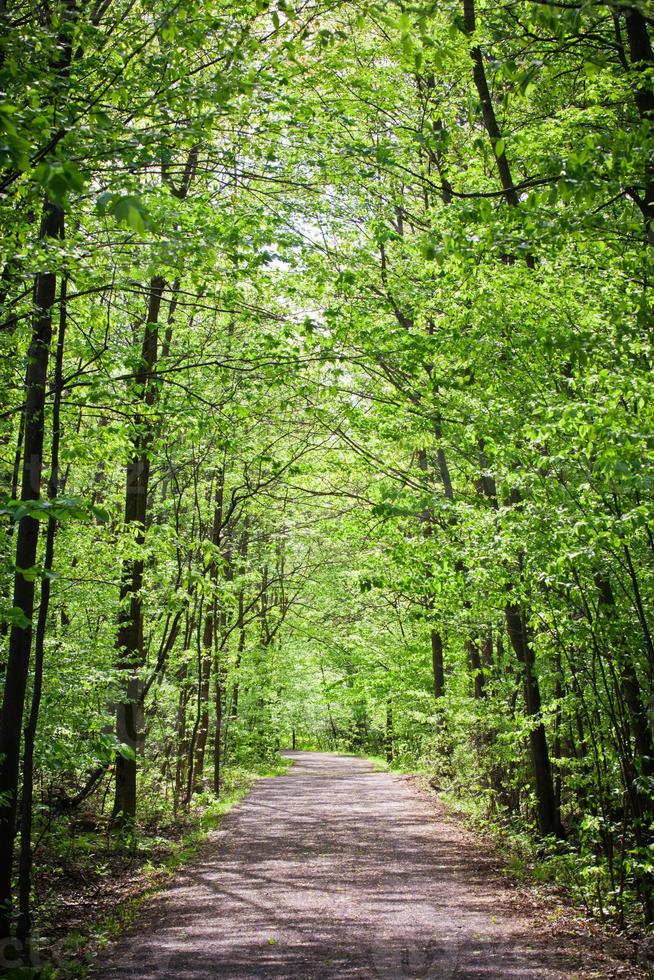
335 870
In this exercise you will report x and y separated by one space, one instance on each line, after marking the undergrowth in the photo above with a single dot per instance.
93 881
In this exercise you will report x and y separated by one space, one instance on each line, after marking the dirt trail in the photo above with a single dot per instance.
337 871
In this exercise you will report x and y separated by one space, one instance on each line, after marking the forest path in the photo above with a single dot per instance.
336 871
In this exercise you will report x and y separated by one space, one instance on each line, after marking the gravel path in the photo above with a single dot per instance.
337 871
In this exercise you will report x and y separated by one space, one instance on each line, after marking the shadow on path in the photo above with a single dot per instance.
337 871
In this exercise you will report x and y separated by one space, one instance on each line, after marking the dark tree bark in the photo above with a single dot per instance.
211 653
219 749
487 108
25 863
643 763
198 716
516 617
489 118
474 657
428 524
240 648
217 743
203 701
181 734
549 822
388 739
437 663
642 64
130 623
20 640
239 656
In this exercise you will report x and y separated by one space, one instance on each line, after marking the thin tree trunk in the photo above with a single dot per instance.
240 648
642 61
427 520
212 654
130 624
25 863
437 663
474 657
548 817
388 740
20 640
489 118
196 724
203 705
637 712
516 620
181 735
217 760
239 655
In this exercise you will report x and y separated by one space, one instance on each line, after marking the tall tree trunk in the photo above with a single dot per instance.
211 654
489 118
181 733
388 738
203 701
487 108
217 748
474 658
239 656
243 553
130 623
20 640
516 619
427 520
437 663
549 821
637 711
198 716
642 61
25 863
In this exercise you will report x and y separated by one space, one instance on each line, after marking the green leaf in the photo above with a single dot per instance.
591 68
16 617
127 209
59 179
61 508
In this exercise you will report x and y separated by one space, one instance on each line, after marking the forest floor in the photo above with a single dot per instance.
335 870
90 881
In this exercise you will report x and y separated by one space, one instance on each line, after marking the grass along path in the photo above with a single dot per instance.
336 870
